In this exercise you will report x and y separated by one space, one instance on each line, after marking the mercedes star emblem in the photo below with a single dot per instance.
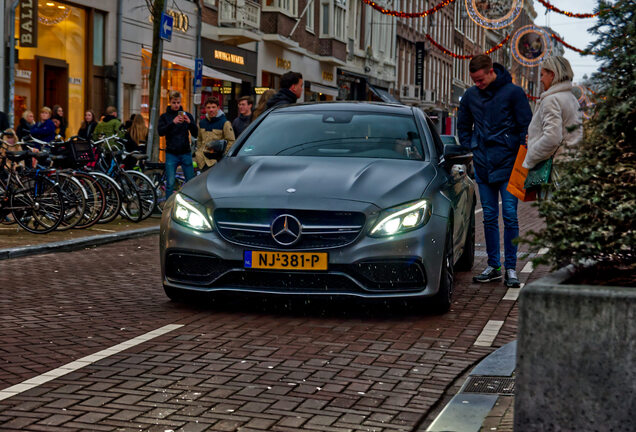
290 190
286 230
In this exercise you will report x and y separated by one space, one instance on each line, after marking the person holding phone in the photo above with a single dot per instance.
177 125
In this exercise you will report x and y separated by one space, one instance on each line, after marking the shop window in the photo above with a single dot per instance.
98 39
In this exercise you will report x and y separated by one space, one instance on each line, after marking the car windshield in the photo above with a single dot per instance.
335 134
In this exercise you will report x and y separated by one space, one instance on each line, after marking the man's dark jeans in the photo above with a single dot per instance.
489 196
172 162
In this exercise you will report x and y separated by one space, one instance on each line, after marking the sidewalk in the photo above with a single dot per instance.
15 242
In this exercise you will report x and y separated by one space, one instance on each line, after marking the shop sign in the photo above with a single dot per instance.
180 21
23 74
283 63
327 76
75 81
260 90
28 23
419 63
225 90
232 58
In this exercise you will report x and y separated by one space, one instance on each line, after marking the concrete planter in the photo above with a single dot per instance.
576 357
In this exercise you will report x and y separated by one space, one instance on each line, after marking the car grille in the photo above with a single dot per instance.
320 229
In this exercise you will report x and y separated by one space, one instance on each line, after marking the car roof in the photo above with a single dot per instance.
378 107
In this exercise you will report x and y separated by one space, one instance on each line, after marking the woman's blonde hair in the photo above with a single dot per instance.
26 113
138 130
262 102
561 68
46 110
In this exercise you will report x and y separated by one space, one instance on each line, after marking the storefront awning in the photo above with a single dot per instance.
208 72
318 88
383 94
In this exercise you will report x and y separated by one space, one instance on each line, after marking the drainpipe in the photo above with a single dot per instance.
198 49
11 78
120 84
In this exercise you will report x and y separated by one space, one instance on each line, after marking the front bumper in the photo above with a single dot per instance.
407 265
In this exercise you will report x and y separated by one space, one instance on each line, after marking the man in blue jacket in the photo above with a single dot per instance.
492 122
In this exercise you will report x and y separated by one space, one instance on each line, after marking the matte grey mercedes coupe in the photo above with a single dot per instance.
351 199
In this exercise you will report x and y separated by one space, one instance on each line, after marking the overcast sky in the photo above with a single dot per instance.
572 31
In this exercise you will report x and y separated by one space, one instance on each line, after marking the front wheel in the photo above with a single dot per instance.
442 300
466 260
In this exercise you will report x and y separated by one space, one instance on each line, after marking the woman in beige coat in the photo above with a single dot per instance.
556 126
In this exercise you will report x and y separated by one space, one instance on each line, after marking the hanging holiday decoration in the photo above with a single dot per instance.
494 14
464 57
530 45
570 14
567 45
532 98
53 13
401 14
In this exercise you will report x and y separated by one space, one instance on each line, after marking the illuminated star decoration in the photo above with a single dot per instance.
401 14
464 57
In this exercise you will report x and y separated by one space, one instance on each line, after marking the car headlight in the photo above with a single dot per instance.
188 212
403 218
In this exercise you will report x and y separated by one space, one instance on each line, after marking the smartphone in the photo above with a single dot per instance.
182 113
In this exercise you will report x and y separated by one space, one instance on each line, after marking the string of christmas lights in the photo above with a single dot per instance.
584 52
532 98
465 57
566 13
401 14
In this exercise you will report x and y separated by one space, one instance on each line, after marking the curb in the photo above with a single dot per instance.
466 411
76 244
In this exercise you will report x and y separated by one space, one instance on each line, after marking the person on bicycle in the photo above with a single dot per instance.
177 126
215 126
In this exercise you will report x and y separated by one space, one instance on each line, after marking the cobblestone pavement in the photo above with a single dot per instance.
248 365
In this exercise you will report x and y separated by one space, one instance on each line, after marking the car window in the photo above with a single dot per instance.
439 146
335 134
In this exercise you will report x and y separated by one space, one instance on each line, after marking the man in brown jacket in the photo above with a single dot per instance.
215 126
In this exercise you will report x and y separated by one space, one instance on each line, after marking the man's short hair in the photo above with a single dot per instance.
46 110
289 79
111 110
482 61
174 94
212 100
247 99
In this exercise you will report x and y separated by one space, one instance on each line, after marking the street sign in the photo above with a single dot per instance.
165 29
198 73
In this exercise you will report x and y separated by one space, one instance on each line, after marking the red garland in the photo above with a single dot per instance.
570 14
532 98
558 39
465 57
401 14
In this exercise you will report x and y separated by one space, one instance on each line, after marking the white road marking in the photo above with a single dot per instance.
489 333
513 293
543 251
84 361
481 209
101 229
527 268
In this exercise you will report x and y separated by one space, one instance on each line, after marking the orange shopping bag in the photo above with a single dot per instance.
518 178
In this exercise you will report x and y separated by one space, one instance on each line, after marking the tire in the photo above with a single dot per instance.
130 200
467 258
147 192
443 299
96 202
113 196
74 201
39 207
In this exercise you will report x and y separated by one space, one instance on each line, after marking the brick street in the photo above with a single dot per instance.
262 364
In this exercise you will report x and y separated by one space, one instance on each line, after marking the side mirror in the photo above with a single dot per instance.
455 154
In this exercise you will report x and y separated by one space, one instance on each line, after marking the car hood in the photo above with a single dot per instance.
382 182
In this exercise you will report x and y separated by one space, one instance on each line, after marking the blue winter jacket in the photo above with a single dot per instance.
492 123
44 131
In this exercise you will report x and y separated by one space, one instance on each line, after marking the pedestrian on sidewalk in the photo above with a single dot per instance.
109 125
261 106
291 88
556 126
244 118
44 130
492 122
88 125
177 126
26 122
60 120
215 126
135 139
4 121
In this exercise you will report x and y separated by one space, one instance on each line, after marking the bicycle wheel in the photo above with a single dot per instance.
112 194
96 202
39 206
147 192
159 180
131 202
74 200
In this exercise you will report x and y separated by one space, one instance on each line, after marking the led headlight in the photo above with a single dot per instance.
188 212
403 218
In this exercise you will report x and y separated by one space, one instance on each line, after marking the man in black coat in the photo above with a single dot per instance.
177 126
493 122
291 88
4 121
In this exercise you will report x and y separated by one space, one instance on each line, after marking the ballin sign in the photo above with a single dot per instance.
28 23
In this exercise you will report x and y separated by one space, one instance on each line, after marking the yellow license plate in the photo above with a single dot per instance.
286 260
